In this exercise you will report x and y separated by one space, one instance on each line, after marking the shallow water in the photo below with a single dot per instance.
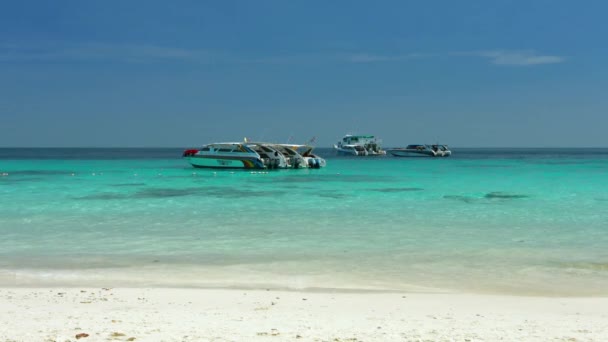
522 221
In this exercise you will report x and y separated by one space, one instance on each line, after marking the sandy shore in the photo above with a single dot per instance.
164 314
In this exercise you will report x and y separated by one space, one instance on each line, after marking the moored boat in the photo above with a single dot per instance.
309 158
254 155
359 145
271 157
228 155
421 151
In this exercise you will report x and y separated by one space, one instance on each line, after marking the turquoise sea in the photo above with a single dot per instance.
516 221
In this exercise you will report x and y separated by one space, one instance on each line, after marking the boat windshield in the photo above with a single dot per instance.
306 152
226 148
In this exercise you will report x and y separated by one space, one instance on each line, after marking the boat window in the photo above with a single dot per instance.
205 149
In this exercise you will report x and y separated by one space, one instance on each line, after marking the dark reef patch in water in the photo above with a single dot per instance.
503 195
298 187
465 199
217 192
389 190
103 196
127 184
331 178
487 198
221 192
165 192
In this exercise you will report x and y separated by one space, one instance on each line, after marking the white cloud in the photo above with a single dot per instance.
516 58
373 58
97 52
497 57
145 53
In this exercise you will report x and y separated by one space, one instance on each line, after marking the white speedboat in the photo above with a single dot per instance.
225 156
359 145
254 155
421 151
271 157
309 159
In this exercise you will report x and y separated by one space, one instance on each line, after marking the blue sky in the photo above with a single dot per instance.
184 73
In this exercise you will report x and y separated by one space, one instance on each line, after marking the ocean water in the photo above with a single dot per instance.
516 221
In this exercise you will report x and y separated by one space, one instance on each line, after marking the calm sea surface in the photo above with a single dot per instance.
523 221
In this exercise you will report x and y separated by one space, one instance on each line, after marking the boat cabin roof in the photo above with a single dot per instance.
359 136
348 139
226 147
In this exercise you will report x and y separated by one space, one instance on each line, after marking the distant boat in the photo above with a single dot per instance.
359 145
421 151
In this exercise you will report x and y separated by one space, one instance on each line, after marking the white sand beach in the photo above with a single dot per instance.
169 314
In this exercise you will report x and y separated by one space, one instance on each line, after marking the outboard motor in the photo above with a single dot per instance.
314 163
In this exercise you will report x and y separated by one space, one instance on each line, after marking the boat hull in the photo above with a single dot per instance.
347 152
418 153
217 162
350 151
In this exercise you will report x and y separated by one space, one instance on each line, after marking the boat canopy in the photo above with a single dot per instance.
226 147
359 136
